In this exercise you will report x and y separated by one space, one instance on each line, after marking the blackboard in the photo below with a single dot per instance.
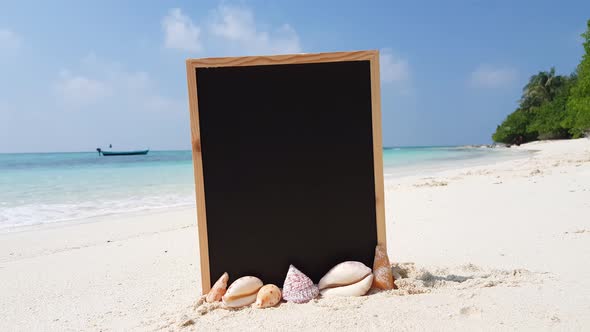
288 163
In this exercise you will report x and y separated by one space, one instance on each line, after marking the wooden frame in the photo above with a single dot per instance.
193 64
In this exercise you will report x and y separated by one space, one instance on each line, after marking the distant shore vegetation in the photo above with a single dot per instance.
552 106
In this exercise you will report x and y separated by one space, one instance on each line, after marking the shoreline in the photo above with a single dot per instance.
94 219
408 172
404 173
498 246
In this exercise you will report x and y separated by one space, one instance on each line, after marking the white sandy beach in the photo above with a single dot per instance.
496 247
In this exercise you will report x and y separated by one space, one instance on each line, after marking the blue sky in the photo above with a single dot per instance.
77 75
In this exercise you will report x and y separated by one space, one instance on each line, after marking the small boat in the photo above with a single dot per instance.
122 153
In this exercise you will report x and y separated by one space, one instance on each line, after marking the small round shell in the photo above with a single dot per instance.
268 296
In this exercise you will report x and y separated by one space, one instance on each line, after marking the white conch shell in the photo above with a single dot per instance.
357 289
240 301
344 274
242 292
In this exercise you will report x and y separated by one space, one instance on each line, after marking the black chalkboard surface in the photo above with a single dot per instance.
288 165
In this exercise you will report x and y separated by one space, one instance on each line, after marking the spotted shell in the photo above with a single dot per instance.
268 296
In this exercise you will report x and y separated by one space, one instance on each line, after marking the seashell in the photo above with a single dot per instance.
298 288
218 289
382 269
268 296
344 274
357 289
242 292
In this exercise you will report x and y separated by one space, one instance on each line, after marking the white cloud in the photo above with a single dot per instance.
487 76
238 25
392 68
180 32
9 41
100 83
228 29
79 90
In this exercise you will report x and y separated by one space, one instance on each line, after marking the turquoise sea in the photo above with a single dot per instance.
38 188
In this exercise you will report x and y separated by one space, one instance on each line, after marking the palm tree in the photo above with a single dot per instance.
541 88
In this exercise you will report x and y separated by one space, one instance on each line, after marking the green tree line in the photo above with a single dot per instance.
552 106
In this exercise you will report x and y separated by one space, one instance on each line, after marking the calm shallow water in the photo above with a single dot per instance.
50 187
405 161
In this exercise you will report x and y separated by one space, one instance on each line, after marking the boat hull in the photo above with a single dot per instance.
124 153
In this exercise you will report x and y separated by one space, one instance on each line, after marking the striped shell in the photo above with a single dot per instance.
298 288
